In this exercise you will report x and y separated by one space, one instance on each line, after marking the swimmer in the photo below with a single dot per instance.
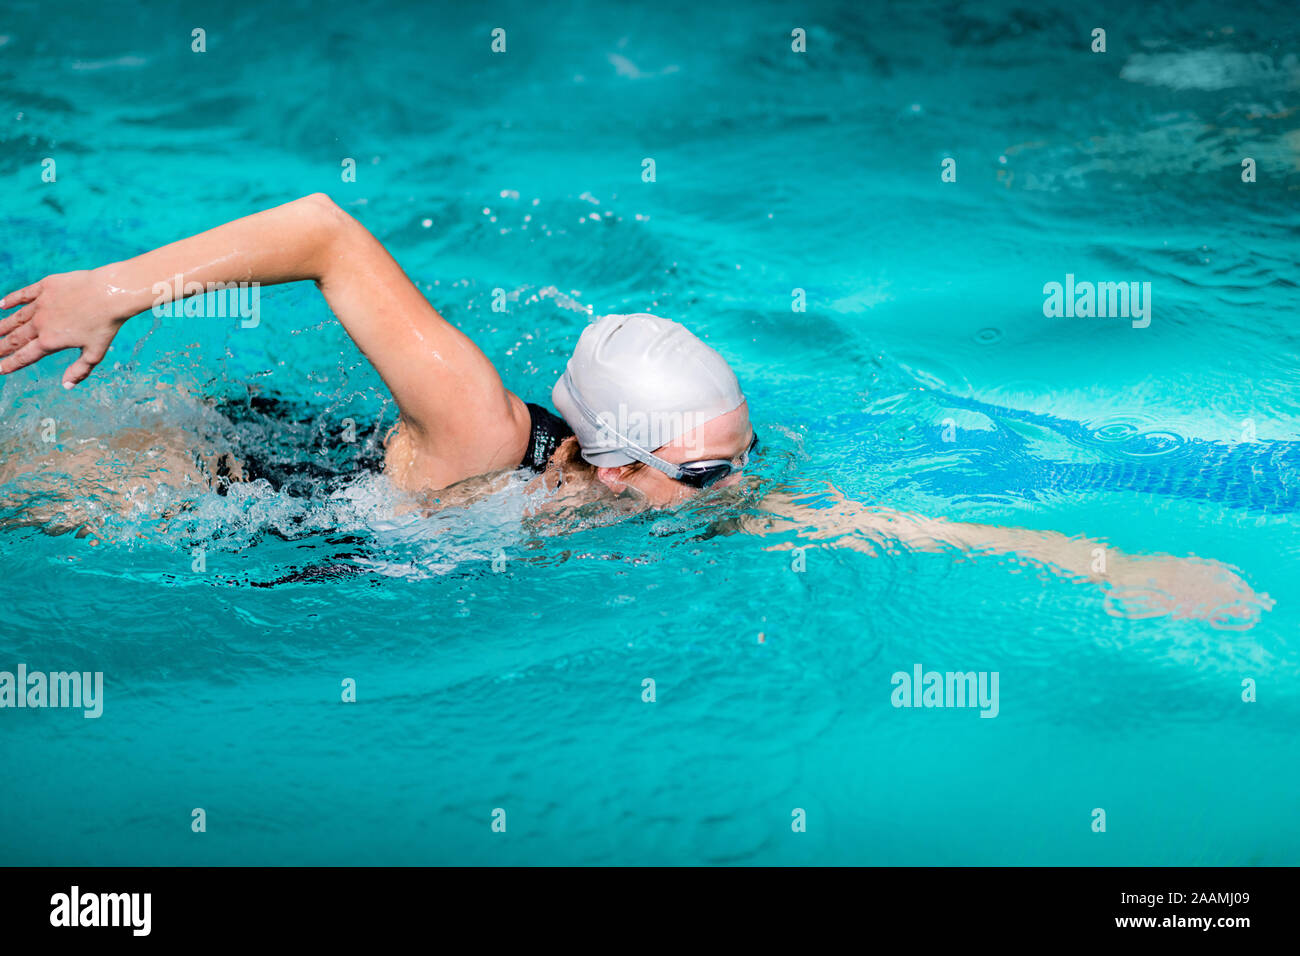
648 414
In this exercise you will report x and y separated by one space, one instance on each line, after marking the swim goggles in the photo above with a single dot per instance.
701 474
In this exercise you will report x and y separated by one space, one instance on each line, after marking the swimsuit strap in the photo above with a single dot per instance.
545 433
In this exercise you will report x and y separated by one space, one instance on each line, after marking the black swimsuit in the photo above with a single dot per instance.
544 436
545 432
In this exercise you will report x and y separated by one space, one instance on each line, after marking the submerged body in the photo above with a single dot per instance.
689 426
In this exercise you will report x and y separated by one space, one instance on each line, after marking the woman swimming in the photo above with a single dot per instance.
648 413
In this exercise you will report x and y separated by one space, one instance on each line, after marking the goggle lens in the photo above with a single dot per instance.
702 474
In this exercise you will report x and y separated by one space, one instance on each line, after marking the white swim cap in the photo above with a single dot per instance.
640 379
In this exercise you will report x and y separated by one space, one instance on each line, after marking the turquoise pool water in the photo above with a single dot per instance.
775 171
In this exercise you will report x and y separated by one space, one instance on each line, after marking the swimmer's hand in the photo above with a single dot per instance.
301 240
1159 585
69 310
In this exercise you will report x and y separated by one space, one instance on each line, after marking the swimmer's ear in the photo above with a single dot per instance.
612 478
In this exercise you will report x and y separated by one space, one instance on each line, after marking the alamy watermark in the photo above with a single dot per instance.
54 689
922 688
652 430
1114 300
218 300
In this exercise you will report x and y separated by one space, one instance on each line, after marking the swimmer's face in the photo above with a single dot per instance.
725 438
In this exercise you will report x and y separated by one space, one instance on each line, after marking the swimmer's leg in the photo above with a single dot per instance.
83 484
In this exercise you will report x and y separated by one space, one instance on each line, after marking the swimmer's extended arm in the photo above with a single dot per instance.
451 397
1142 585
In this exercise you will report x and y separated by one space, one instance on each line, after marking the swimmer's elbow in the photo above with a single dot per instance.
330 227
322 202
325 213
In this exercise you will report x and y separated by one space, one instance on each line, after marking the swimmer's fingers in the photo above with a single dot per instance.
17 339
17 319
33 351
22 296
82 367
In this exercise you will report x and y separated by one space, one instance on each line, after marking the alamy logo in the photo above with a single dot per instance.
241 300
949 689
1113 300
652 429
55 689
102 909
